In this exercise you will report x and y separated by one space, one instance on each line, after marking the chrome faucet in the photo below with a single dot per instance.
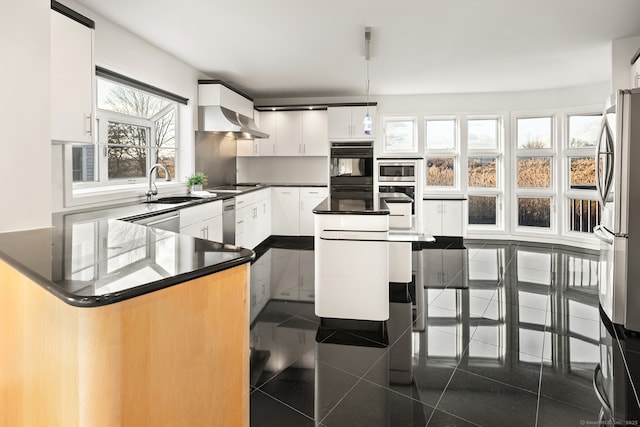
152 191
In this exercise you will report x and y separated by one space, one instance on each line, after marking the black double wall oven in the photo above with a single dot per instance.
351 169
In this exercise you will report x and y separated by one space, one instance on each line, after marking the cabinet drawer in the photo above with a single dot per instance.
199 213
252 197
314 192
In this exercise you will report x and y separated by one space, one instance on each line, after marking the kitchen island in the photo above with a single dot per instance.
105 322
359 250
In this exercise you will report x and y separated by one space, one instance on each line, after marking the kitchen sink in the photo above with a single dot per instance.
174 199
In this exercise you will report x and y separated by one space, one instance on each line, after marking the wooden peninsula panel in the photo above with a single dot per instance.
175 357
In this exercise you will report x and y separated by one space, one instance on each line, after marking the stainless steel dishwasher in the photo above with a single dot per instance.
229 221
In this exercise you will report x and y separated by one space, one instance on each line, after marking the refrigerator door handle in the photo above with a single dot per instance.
603 183
602 234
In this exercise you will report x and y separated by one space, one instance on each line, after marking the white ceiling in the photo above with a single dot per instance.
289 48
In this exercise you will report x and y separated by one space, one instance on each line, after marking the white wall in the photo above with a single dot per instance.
622 51
123 52
25 141
283 170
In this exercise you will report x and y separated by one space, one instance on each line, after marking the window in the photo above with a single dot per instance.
535 183
484 165
442 153
400 135
136 129
583 209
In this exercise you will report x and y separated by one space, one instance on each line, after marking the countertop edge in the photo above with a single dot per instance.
247 255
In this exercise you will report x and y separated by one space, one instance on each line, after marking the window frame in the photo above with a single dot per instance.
569 152
455 153
415 144
77 194
551 192
499 190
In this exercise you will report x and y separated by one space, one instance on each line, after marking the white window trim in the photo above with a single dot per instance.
455 152
499 190
552 191
567 192
416 144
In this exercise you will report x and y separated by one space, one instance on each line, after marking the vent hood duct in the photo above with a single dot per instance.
221 120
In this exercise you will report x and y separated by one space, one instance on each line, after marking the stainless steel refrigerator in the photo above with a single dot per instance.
618 185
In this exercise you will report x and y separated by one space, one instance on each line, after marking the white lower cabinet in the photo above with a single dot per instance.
443 217
253 218
203 221
293 209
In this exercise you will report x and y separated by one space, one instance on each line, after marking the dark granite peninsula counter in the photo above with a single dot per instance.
102 262
105 322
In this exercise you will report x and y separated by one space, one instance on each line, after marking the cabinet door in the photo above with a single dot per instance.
309 199
213 229
315 140
339 122
240 226
72 75
433 217
635 74
268 124
285 202
193 230
451 218
263 227
289 124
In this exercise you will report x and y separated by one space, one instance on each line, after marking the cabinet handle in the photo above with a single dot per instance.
313 192
304 149
240 222
264 208
206 232
88 124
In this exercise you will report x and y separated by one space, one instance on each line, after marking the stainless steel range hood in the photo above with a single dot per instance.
221 120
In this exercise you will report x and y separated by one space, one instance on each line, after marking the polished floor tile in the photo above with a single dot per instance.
493 334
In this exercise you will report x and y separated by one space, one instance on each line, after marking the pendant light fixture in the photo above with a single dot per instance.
367 122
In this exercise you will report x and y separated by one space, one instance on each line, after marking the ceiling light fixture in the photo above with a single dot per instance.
367 122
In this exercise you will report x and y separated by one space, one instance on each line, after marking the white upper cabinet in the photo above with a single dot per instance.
72 80
268 124
348 122
315 140
291 134
289 141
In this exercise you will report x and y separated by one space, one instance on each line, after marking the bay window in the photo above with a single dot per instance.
534 181
484 166
441 141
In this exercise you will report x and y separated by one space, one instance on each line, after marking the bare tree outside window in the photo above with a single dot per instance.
131 150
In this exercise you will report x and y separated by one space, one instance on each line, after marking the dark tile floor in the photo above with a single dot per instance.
497 334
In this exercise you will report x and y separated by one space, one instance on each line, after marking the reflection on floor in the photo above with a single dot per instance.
494 334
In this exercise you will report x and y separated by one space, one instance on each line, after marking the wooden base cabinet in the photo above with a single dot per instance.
175 357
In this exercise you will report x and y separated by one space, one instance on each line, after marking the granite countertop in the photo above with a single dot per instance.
104 261
352 205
